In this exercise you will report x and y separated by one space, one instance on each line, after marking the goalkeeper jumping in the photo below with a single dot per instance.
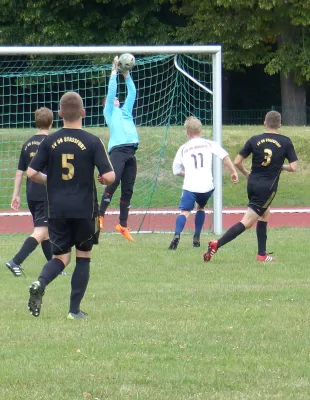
122 147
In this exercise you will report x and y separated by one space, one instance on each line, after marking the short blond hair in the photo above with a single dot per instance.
273 119
193 125
43 117
71 106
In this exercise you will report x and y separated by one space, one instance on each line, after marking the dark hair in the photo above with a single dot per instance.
43 117
273 120
71 106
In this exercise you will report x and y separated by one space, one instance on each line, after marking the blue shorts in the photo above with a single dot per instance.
189 199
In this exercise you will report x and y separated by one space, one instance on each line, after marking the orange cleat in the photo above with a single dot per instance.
101 220
265 258
124 232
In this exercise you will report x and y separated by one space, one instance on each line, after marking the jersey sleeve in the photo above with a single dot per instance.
101 158
40 159
246 150
109 104
131 95
177 165
217 150
22 166
291 154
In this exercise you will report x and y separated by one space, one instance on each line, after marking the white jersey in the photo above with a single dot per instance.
195 159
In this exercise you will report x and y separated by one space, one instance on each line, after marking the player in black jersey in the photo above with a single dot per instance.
69 157
36 195
269 151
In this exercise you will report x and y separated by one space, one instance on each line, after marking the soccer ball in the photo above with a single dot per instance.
126 62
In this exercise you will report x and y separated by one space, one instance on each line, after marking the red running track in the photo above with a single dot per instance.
11 222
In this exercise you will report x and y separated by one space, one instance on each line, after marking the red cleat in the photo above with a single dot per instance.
265 258
212 249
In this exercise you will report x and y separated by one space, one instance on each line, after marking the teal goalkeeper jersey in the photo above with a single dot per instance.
119 119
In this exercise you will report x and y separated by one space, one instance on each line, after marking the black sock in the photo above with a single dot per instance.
79 282
30 244
231 234
261 233
50 271
47 249
123 212
105 202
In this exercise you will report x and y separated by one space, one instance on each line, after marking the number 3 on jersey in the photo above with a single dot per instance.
267 158
67 165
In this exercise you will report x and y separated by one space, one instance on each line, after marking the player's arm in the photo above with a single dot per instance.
38 163
230 166
177 166
112 88
15 203
131 93
291 167
102 161
240 166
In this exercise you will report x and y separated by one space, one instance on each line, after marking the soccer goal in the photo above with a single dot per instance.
173 82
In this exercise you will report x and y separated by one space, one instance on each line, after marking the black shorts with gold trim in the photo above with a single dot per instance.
260 197
67 233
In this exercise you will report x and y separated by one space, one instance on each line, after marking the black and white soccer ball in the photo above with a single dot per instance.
126 62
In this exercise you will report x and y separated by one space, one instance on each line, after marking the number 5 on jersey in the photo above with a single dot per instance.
67 165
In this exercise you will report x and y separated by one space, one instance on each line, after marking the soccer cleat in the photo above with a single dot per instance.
124 231
79 315
196 240
265 258
35 298
101 221
212 249
14 268
174 243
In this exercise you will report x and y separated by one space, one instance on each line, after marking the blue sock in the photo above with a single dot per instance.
179 224
199 221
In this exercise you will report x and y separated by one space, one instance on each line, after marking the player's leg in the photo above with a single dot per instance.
127 184
261 233
186 205
61 237
118 163
201 200
249 218
87 234
39 235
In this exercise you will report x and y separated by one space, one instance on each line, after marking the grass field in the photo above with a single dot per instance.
155 184
163 325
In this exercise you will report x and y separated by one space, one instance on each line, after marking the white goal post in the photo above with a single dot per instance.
216 90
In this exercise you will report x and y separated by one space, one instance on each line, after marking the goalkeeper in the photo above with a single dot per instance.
122 147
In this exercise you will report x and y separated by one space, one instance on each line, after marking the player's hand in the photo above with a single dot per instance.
15 203
115 64
234 177
247 175
100 179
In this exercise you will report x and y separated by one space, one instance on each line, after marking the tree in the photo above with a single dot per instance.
275 33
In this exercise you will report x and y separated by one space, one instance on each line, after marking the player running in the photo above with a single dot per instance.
35 194
193 161
70 156
269 151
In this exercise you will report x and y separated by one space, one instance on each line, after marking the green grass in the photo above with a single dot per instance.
163 325
155 185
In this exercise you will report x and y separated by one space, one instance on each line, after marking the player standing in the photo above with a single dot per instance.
193 161
269 151
69 156
122 147
35 194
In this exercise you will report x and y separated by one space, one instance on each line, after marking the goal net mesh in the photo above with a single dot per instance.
165 98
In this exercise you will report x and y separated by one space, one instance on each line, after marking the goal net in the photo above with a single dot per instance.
170 88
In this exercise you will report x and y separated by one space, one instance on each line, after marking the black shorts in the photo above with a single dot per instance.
260 197
38 212
67 233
